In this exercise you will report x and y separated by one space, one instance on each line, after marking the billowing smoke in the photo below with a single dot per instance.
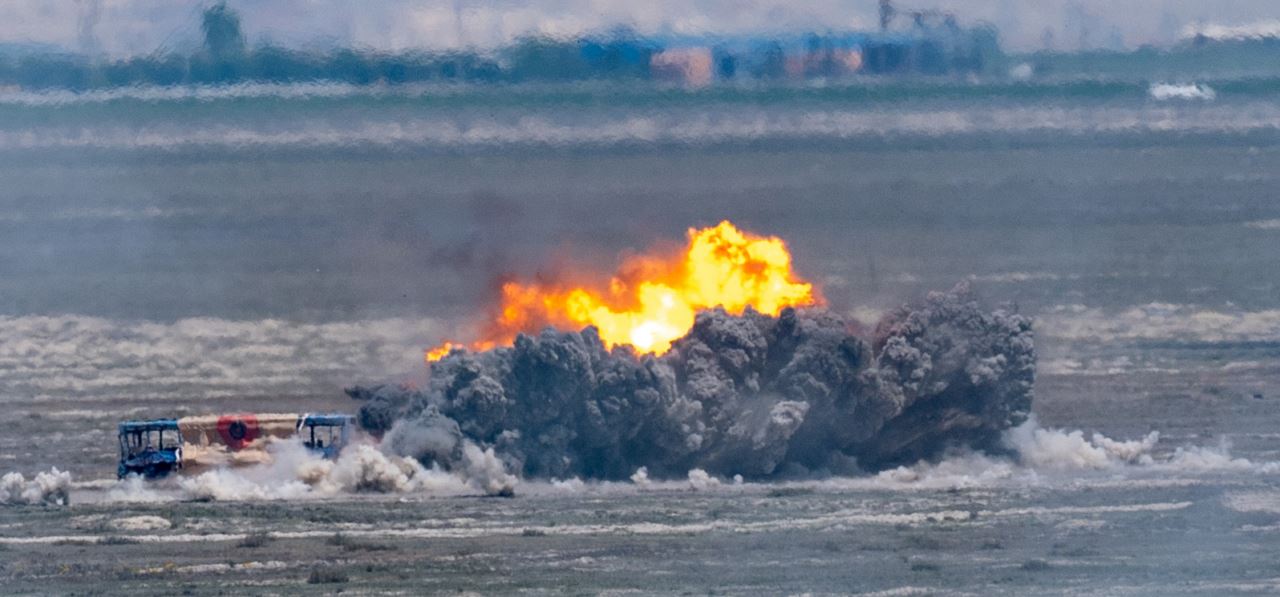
294 472
753 395
52 487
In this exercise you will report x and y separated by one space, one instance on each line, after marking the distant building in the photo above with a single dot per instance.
687 66
909 43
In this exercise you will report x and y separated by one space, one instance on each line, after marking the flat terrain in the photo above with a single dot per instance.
1179 534
173 257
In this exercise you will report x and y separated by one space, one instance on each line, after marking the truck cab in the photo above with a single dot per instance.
151 449
325 434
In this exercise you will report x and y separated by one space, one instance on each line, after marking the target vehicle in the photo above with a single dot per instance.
146 449
156 448
325 434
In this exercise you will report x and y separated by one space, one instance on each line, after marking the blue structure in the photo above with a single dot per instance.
922 50
325 434
151 449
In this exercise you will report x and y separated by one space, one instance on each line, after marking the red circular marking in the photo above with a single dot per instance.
238 431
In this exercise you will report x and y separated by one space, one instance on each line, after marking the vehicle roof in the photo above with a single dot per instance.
326 419
149 425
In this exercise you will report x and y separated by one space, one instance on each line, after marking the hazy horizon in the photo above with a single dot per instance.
119 28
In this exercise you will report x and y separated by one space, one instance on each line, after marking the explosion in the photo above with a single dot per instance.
738 370
653 300
757 395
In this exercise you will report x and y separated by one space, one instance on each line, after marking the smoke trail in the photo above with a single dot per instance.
753 395
294 472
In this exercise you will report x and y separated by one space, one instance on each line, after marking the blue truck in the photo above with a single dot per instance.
150 449
155 448
325 434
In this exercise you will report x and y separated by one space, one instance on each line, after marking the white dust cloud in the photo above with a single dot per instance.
51 487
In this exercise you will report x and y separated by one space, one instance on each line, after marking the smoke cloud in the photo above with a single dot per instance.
294 473
749 395
52 487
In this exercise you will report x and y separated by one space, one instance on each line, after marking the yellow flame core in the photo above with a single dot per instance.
654 301
441 351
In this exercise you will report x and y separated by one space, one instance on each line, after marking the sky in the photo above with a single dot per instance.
132 27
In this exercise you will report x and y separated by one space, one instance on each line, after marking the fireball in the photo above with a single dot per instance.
653 299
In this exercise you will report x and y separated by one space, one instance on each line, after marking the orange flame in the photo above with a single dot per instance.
652 301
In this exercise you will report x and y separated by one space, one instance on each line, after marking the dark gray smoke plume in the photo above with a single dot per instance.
753 395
